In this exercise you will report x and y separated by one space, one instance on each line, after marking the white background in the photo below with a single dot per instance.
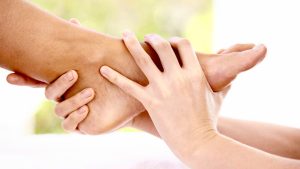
269 92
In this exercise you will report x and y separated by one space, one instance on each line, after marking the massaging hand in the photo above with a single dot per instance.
183 108
179 100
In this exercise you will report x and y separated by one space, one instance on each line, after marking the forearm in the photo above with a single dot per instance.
278 140
223 152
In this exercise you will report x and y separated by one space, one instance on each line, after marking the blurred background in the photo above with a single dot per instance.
268 93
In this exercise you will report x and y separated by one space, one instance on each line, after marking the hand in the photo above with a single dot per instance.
68 109
179 100
144 122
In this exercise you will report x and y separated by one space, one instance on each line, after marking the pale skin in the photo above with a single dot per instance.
184 108
43 47
274 139
282 141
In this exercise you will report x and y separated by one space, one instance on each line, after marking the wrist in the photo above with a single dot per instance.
197 142
200 149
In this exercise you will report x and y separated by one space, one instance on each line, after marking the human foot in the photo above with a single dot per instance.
219 74
221 69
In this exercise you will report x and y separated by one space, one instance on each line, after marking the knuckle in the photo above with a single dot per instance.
132 42
66 126
184 42
59 111
113 77
163 45
153 102
48 93
142 60
74 103
126 88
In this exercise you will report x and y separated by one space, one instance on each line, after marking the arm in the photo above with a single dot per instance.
274 139
223 152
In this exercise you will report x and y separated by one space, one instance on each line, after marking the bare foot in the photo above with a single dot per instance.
223 68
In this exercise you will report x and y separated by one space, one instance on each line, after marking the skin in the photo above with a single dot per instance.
41 46
278 140
181 95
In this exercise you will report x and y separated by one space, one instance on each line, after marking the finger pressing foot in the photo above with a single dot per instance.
71 122
57 89
64 108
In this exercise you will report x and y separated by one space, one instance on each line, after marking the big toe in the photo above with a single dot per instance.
248 59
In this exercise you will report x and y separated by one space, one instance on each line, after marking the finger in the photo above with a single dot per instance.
164 51
128 86
186 52
22 80
64 108
238 48
75 21
57 89
71 122
140 56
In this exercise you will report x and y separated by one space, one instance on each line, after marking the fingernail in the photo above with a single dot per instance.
82 110
173 39
147 36
104 71
13 79
127 34
87 93
258 46
70 75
